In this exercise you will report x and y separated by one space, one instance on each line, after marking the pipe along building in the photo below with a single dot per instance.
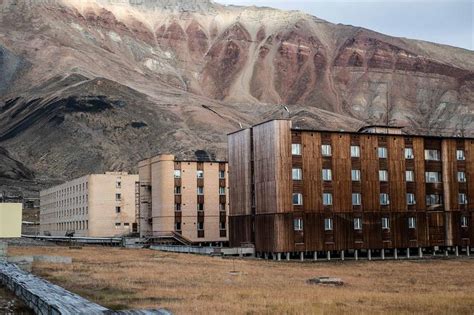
302 193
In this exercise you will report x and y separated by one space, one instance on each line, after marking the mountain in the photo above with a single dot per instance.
94 85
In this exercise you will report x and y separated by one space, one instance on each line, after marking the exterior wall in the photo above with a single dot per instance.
87 206
166 217
10 220
271 181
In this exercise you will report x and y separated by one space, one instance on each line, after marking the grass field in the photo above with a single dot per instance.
187 284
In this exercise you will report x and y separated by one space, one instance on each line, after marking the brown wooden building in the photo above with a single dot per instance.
301 192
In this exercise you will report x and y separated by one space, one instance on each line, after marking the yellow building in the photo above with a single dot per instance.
97 205
187 200
10 220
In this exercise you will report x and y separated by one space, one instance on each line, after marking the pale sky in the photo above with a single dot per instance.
442 21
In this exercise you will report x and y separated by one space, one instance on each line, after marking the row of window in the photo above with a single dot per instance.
118 225
430 155
200 226
75 225
199 174
200 191
200 207
385 222
431 199
430 177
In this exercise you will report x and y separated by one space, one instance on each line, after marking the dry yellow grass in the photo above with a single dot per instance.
187 284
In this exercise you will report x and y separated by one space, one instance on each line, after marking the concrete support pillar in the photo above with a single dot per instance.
266 255
342 255
315 256
369 254
408 253
329 255
279 256
274 256
457 251
446 253
301 256
420 252
383 254
395 254
468 251
356 254
288 256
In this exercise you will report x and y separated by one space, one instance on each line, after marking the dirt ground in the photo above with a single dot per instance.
188 284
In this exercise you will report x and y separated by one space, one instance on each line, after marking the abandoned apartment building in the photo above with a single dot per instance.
298 193
183 202
97 205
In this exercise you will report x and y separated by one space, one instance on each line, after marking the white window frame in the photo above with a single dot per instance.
358 224
327 175
299 200
327 199
356 199
296 149
460 155
462 177
432 155
433 177
297 174
177 173
355 175
384 199
428 197
298 224
200 191
221 174
383 175
411 199
409 176
355 151
385 223
326 150
328 224
382 152
464 221
462 199
409 155
412 223
199 228
118 197
200 174
222 191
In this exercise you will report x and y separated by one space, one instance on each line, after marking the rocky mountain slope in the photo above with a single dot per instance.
95 85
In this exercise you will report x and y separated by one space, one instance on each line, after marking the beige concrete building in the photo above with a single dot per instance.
98 205
10 220
184 200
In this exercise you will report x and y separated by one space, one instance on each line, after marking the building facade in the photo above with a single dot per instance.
308 191
186 199
98 205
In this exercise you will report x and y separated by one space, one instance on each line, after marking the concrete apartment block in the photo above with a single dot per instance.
184 198
10 220
97 205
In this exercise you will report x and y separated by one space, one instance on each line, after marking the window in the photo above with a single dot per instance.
412 223
177 173
464 222
222 225
356 198
433 200
385 223
126 224
118 197
177 207
296 149
118 209
200 191
327 175
461 177
327 199
357 224
200 174
117 225
200 207
297 174
177 190
118 184
460 155
200 226
297 199
222 191
298 224
462 199
355 174
382 153
177 226
433 177
326 150
328 224
432 155
384 200
410 176
411 199
222 207
409 154
383 175
355 151
221 174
